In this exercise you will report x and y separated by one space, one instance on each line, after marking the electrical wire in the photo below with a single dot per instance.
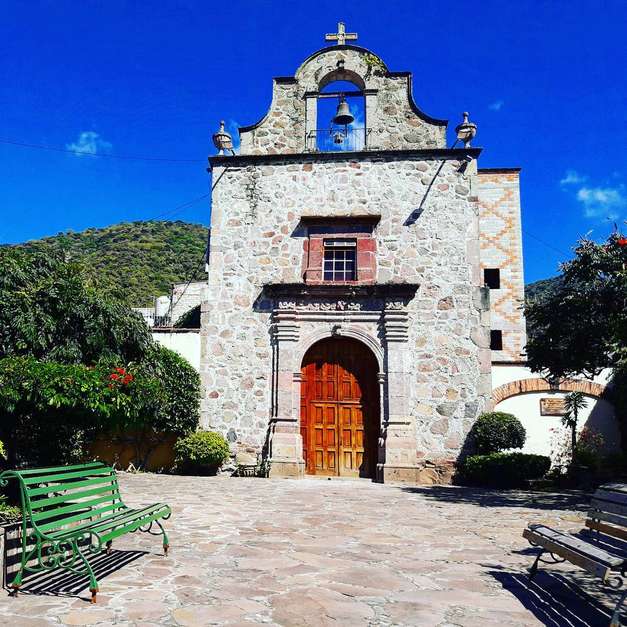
179 208
557 250
90 154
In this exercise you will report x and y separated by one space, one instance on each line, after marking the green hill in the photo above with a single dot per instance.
135 261
539 288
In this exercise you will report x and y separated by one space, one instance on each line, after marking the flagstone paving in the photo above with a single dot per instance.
317 553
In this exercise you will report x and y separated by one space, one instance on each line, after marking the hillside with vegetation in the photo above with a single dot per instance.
133 261
537 289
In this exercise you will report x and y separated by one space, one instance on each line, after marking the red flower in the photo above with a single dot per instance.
120 370
114 377
622 241
127 379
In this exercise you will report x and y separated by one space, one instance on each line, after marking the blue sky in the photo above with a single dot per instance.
544 81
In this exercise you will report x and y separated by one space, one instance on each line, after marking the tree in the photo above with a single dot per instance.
580 327
49 311
573 404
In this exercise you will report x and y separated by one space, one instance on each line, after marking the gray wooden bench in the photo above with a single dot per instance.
601 552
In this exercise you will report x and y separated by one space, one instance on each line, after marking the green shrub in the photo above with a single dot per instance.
503 470
496 431
201 453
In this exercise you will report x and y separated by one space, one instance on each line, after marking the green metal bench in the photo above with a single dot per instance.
71 511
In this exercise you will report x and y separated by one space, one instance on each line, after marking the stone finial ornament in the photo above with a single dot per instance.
466 131
222 140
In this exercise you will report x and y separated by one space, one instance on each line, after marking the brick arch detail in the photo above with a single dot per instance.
528 386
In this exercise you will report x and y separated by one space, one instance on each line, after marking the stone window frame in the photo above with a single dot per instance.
361 231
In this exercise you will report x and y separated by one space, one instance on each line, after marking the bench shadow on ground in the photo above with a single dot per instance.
482 497
60 582
557 601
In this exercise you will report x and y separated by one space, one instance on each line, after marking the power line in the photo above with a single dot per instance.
93 154
557 250
174 210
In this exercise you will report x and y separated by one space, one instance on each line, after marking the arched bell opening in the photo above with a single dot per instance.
340 409
340 115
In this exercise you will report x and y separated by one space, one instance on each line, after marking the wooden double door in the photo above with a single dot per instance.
339 416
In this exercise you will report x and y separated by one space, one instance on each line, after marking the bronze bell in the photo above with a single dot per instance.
343 115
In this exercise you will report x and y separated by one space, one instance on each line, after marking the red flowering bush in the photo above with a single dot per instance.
121 376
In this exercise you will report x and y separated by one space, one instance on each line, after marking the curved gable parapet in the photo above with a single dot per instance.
393 119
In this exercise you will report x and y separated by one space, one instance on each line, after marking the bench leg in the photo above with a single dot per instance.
93 582
166 542
534 567
616 615
108 550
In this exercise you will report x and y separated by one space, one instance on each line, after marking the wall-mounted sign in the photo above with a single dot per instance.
552 406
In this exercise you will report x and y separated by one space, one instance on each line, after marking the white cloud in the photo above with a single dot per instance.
497 105
89 143
572 177
605 202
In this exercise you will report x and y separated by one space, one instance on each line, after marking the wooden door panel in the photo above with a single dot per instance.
339 389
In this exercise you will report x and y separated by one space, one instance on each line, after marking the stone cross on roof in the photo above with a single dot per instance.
341 36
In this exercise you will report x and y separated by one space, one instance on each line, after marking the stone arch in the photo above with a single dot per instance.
350 61
343 331
529 386
342 74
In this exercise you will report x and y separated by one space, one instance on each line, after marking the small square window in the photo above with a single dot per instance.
492 278
340 259
496 340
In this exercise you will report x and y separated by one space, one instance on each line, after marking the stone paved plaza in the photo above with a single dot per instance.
317 552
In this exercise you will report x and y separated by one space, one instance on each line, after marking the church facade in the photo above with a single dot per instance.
362 281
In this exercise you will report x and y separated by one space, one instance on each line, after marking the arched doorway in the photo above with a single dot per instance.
339 412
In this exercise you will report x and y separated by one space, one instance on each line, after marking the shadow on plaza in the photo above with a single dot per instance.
571 500
558 602
60 582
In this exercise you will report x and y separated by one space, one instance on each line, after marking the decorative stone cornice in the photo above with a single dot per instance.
437 154
285 327
386 291
395 324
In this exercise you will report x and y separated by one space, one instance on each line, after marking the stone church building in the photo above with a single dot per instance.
363 279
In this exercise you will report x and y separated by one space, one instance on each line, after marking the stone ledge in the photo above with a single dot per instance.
300 157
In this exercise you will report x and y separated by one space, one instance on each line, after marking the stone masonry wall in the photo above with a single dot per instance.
501 247
256 212
395 121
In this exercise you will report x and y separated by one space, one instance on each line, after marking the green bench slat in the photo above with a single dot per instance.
90 513
133 526
130 516
79 529
106 522
52 469
74 507
108 480
77 474
71 496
